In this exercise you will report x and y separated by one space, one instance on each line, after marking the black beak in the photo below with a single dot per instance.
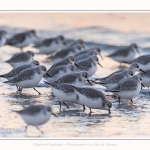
48 75
89 81
100 64
142 71
76 65
101 56
137 51
142 85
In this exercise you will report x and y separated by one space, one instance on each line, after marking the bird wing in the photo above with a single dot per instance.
125 85
66 79
18 38
122 52
23 75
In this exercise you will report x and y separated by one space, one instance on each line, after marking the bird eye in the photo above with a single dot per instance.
44 68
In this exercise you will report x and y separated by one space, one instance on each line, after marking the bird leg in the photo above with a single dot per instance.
36 90
119 100
26 128
83 108
39 130
90 112
60 105
65 104
21 49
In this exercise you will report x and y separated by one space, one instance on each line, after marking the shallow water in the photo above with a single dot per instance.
110 32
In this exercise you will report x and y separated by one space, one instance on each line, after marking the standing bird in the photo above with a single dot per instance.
51 45
88 64
143 61
134 67
112 81
126 54
97 49
22 40
88 54
77 79
35 115
17 70
65 61
58 72
128 88
92 98
66 52
77 42
28 78
22 58
65 93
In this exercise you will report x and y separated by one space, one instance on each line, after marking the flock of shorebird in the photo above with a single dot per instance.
72 68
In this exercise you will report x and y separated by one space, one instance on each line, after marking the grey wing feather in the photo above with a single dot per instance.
32 110
24 75
122 52
84 65
16 71
125 85
66 79
16 39
18 57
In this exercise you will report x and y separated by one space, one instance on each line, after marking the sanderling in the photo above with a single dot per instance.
128 88
88 54
134 67
77 42
49 46
88 50
17 70
92 98
58 72
2 37
64 92
19 59
143 61
28 78
22 40
112 81
77 79
88 64
146 78
66 52
126 54
35 115
65 61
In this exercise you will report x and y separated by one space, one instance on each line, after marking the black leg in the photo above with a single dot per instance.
36 90
65 104
119 100
90 112
60 105
131 101
39 130
83 108
20 90
26 127
148 87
